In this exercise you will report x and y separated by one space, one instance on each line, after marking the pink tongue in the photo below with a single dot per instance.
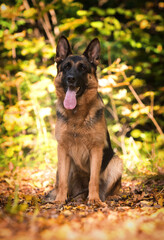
70 99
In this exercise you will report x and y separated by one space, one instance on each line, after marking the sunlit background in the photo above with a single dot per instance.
130 77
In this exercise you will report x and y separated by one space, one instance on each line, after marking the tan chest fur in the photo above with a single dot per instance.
80 134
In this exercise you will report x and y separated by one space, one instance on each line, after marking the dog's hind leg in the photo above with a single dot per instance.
110 179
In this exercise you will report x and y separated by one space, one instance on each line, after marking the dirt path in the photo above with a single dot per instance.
137 213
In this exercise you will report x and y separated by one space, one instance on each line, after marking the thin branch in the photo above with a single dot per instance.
109 109
9 95
113 107
143 105
115 140
47 22
152 102
123 145
53 16
19 100
49 34
46 25
32 21
54 21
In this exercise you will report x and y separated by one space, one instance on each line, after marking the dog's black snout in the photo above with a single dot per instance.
70 79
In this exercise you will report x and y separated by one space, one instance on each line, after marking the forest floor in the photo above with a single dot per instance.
137 213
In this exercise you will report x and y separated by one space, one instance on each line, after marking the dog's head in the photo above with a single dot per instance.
76 73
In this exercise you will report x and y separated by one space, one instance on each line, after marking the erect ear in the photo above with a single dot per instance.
63 49
92 52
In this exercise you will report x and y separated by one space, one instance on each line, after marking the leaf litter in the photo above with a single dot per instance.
136 213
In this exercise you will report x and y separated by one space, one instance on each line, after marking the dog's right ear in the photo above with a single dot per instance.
63 49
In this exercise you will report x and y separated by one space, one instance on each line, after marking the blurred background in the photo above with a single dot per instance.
131 77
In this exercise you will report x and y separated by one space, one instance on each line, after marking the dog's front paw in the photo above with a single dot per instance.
60 200
97 202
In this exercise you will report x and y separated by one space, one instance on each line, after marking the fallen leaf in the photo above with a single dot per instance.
161 201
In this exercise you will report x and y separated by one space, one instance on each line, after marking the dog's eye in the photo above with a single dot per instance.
81 67
67 66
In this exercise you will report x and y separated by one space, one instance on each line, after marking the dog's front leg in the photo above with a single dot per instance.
95 166
63 172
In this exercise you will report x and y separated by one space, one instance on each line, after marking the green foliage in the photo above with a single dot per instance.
130 32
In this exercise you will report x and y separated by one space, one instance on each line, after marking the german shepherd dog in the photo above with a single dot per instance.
85 156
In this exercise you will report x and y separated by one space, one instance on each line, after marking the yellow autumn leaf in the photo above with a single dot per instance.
23 207
37 184
31 12
161 201
144 24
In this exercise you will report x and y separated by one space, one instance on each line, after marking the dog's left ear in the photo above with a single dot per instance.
92 52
